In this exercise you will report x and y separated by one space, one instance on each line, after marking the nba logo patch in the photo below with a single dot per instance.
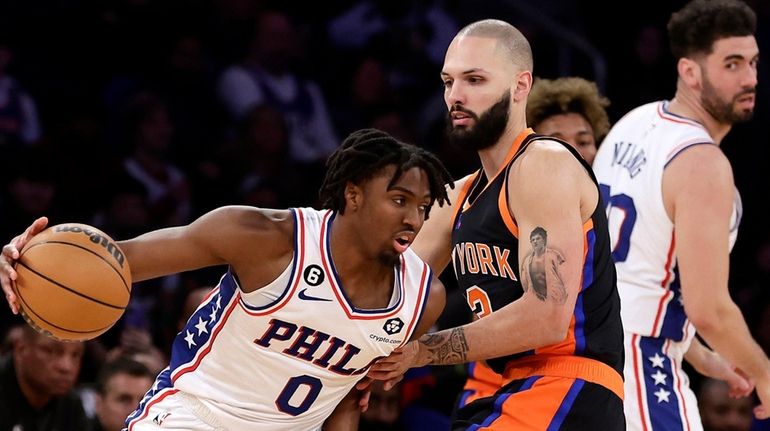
160 418
459 221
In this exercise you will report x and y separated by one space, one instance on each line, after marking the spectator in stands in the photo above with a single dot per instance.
267 76
19 122
719 410
120 386
570 109
150 131
36 384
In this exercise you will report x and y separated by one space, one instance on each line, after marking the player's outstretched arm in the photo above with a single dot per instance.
232 235
701 210
549 198
8 257
550 194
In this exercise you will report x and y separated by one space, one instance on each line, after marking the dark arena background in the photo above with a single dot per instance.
131 115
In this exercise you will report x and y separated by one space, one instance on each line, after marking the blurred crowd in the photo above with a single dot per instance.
136 114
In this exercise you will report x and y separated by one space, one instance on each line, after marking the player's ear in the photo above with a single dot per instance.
353 196
522 84
689 72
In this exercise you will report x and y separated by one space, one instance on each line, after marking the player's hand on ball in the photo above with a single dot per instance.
9 256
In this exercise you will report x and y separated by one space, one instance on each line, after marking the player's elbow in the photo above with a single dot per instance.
554 330
709 316
554 336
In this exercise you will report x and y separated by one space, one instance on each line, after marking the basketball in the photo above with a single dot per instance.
73 282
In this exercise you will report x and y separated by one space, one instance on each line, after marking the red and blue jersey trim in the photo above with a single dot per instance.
298 261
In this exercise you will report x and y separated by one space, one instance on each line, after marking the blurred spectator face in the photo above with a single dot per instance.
266 132
155 131
122 393
369 83
394 124
384 408
574 129
33 196
128 210
261 195
11 337
719 412
649 45
48 367
275 41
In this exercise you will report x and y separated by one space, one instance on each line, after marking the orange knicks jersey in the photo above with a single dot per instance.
485 242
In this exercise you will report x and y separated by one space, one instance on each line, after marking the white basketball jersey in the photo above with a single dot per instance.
629 167
283 356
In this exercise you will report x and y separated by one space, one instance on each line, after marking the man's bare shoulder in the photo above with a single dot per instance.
707 159
696 178
547 150
549 164
248 224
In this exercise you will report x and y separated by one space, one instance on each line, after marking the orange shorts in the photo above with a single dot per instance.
549 393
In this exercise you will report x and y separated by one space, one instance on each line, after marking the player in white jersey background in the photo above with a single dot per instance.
674 213
310 300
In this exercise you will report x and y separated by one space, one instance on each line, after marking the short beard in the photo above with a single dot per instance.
488 127
724 112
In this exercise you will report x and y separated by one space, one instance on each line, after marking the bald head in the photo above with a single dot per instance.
510 41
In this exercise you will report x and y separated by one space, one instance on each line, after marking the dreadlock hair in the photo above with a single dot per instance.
366 152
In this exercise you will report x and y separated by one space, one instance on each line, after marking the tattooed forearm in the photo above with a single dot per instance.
446 347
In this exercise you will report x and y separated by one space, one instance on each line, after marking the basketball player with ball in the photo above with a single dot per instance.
310 299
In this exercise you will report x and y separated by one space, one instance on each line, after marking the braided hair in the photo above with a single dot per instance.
365 152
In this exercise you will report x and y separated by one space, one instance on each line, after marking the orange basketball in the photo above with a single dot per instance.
73 282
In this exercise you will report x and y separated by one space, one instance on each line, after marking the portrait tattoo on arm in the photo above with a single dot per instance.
540 270
446 347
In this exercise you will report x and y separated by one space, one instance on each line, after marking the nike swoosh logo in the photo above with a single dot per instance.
306 297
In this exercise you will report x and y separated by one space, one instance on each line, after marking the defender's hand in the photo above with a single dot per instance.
391 369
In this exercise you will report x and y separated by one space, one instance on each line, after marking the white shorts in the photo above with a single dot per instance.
657 390
170 409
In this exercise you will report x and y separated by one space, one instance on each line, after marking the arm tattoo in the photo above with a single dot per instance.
446 347
540 269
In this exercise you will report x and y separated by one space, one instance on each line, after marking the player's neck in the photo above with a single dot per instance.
687 104
355 268
492 158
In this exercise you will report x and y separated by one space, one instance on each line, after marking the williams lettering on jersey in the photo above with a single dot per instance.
630 156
